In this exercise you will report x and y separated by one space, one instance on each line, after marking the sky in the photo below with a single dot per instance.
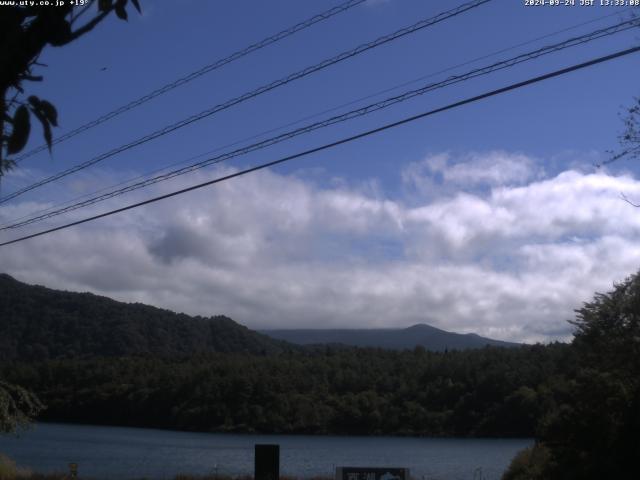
491 218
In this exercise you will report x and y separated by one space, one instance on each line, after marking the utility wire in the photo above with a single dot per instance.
327 146
8 224
265 88
571 42
343 7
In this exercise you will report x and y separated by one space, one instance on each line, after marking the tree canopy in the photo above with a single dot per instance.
630 137
17 407
593 432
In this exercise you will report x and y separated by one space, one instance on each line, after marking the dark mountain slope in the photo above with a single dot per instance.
38 323
431 338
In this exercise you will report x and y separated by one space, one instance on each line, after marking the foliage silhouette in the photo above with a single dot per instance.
592 431
24 32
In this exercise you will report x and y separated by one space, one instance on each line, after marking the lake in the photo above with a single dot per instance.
124 453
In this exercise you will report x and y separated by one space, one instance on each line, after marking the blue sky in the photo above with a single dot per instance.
489 218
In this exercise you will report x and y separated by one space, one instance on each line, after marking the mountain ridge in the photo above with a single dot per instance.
39 323
421 334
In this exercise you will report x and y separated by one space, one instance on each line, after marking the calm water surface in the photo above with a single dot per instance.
125 453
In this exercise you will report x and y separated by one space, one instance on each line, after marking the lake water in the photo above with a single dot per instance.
124 453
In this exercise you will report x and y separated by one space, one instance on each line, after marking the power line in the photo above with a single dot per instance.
265 88
327 146
343 7
571 42
71 202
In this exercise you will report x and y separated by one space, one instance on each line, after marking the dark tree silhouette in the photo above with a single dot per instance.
24 32
630 137
592 432
17 407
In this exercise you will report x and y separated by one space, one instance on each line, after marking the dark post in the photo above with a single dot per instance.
73 470
267 462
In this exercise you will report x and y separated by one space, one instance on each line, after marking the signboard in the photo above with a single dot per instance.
371 473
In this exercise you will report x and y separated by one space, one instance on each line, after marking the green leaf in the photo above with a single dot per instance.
59 31
121 12
45 108
50 112
47 135
20 132
45 127
6 165
136 4
33 78
34 101
104 5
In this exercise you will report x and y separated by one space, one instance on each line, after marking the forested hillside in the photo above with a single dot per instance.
91 359
38 323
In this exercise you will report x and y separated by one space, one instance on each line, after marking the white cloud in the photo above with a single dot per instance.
510 260
442 172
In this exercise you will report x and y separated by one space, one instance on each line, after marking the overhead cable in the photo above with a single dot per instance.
314 115
342 141
343 7
254 93
359 112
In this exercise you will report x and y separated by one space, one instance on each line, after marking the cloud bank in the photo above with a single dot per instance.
483 242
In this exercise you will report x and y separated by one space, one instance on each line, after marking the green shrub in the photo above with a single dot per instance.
8 469
529 464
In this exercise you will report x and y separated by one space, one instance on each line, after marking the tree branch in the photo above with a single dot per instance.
624 197
618 156
87 27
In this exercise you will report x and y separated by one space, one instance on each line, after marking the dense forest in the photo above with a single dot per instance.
487 392
581 401
592 432
92 359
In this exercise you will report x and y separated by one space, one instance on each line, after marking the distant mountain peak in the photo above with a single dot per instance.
423 326
421 334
